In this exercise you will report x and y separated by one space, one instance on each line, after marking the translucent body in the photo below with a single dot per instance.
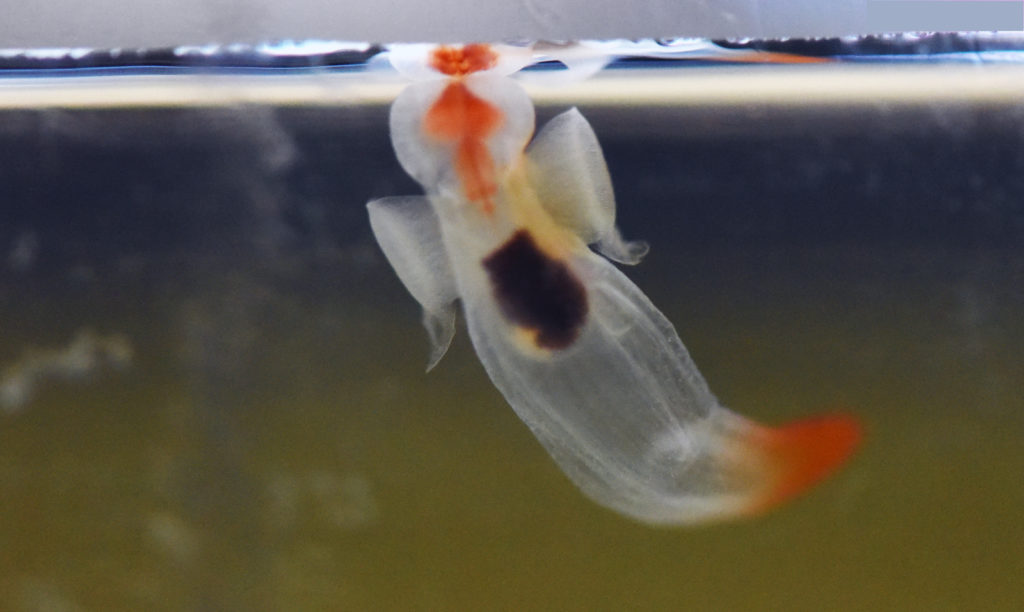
579 352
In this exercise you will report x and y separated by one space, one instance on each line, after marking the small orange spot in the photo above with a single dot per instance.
460 61
466 121
803 453
771 57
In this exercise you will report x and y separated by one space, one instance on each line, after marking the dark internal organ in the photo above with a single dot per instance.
537 292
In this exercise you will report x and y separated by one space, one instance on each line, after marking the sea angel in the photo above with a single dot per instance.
579 352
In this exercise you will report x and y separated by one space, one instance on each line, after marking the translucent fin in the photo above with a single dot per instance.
628 252
408 232
512 58
423 160
413 61
581 61
441 329
568 172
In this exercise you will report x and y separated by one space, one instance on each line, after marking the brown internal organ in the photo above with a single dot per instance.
537 292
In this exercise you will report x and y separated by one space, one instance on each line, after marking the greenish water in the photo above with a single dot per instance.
276 445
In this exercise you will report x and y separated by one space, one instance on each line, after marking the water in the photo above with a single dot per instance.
273 443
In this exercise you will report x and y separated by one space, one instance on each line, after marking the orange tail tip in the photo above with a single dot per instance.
799 455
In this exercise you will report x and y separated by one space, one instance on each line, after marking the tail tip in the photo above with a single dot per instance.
803 453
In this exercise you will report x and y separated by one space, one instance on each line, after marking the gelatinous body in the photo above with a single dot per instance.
583 357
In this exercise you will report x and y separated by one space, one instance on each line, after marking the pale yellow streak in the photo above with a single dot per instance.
804 85
820 84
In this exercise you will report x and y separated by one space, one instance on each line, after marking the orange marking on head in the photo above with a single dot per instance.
466 121
460 61
458 114
475 167
803 453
